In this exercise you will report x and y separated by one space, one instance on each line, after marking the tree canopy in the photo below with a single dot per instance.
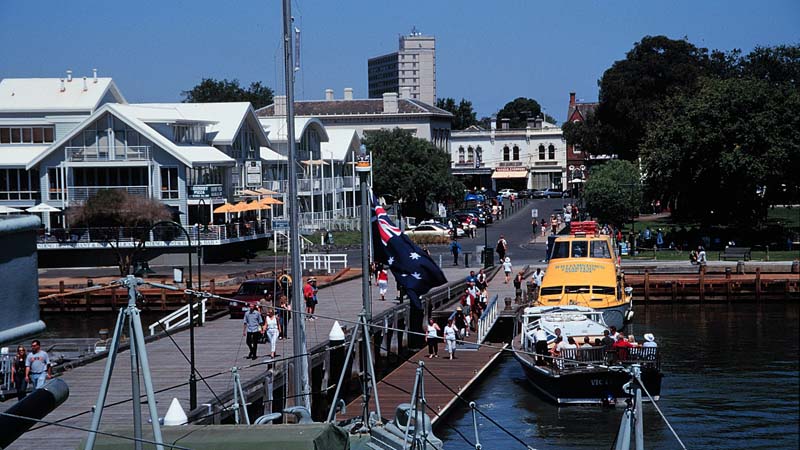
463 114
411 169
519 110
211 90
613 193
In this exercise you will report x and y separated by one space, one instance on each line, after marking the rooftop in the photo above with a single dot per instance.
47 94
372 106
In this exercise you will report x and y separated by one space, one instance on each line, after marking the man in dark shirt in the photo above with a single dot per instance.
607 341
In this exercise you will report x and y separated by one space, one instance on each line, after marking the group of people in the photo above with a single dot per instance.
612 341
30 368
261 323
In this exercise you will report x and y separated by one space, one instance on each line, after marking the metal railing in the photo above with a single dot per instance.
6 372
83 193
305 185
96 153
322 261
180 317
488 318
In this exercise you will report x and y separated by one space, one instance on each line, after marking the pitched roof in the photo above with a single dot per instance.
340 141
582 109
45 95
371 106
18 156
276 128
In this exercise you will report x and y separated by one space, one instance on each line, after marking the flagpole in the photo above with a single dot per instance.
363 176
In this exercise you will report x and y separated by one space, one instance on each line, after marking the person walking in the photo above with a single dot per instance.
455 249
252 329
502 247
518 279
20 384
285 280
534 226
537 277
507 269
284 316
432 339
273 331
383 281
450 338
543 227
308 296
37 365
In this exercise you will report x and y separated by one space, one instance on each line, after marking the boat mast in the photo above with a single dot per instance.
300 375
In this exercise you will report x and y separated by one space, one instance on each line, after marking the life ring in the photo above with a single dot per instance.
628 315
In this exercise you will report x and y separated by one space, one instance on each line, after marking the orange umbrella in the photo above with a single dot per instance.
240 207
264 191
226 208
270 201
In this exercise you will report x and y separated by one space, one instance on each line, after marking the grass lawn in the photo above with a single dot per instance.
674 255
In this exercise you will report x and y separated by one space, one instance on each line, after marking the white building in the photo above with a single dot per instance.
528 158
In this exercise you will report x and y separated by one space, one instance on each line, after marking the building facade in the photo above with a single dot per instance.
412 66
577 159
527 158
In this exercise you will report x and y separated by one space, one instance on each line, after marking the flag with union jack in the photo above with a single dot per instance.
412 267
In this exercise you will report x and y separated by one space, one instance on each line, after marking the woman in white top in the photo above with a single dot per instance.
450 337
432 338
273 330
507 268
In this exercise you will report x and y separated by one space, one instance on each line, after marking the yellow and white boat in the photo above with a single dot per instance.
583 270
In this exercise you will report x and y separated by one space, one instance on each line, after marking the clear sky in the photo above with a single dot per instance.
489 52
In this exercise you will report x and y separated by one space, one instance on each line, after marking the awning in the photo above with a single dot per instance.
200 155
510 174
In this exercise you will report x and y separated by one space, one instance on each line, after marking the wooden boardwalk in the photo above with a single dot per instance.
460 374
219 346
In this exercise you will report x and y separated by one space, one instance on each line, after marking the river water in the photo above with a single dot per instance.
730 382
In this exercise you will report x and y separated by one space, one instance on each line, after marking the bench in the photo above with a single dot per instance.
737 253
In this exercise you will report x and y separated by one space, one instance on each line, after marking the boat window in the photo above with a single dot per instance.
552 290
560 250
603 290
600 250
580 249
576 289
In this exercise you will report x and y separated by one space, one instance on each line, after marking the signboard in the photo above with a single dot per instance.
280 225
534 213
253 173
206 191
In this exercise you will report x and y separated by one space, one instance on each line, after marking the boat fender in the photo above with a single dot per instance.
628 315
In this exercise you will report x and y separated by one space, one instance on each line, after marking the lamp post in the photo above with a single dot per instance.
192 377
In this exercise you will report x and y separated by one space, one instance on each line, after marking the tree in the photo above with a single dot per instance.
117 216
519 110
583 133
211 90
411 169
721 153
613 193
778 65
633 88
463 114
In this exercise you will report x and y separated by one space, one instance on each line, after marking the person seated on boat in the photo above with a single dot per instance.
571 344
557 332
621 346
555 351
649 340
632 341
540 344
607 340
586 342
614 333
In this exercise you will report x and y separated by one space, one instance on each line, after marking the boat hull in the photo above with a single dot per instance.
586 385
614 316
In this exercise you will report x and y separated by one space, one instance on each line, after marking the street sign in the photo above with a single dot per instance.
534 212
280 225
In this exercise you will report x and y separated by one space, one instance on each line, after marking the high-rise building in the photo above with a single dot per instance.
413 66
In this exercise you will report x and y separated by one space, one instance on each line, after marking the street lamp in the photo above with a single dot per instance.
192 378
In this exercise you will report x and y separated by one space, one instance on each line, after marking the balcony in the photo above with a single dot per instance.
470 164
319 185
105 153
82 193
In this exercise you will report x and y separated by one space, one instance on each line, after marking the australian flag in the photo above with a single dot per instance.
412 267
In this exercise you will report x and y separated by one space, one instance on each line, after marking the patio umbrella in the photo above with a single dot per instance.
226 209
8 210
270 201
251 193
264 191
43 208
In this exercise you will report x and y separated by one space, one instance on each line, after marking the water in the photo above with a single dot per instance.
730 382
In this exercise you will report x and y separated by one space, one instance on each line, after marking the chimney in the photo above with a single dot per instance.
530 123
537 122
493 123
405 92
505 123
571 99
63 87
280 105
69 76
328 94
348 93
85 86
94 76
390 102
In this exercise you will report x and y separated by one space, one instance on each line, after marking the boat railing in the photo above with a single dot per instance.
573 358
488 318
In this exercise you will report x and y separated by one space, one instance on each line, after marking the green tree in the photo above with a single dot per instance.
633 88
583 133
117 217
519 110
411 169
778 65
211 90
463 114
613 192
722 153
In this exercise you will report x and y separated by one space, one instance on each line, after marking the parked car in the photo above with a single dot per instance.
429 230
550 193
251 291
459 231
506 193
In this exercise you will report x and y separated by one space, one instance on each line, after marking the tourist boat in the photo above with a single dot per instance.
583 270
582 375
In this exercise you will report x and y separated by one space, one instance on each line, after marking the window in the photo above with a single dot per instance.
55 188
470 155
541 151
505 154
600 250
19 184
551 152
26 135
169 183
560 250
516 153
189 134
461 155
580 249
479 155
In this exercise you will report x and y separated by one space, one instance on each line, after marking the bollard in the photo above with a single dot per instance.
466 259
740 267
795 266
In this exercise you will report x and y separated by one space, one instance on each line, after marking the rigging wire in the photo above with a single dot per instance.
663 417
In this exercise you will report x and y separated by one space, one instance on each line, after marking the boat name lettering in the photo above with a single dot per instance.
581 267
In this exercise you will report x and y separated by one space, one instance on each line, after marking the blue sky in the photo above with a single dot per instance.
489 52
